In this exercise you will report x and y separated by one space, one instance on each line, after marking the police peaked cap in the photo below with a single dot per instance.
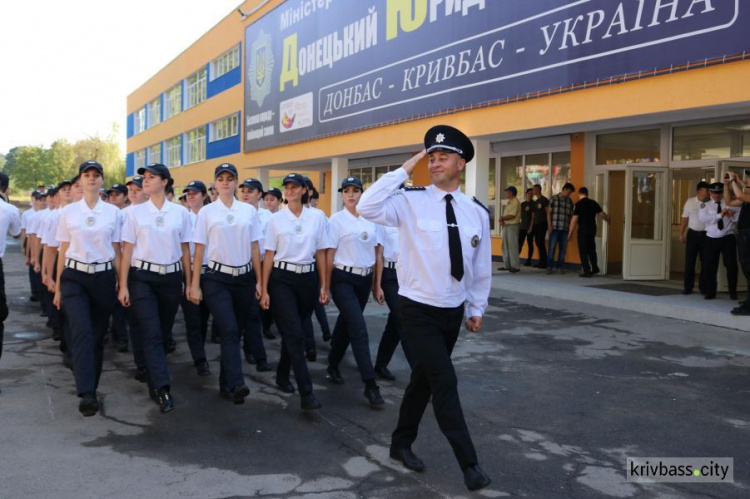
449 139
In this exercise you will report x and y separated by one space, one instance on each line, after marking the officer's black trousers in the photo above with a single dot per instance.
3 307
88 300
694 247
540 233
196 327
726 247
252 341
587 248
430 333
743 248
154 299
392 333
293 297
350 293
525 235
227 298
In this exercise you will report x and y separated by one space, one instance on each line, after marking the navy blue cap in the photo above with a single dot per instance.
75 179
195 186
137 180
351 181
308 182
294 178
253 183
122 189
88 165
512 189
51 191
273 191
63 183
716 187
449 139
225 167
156 169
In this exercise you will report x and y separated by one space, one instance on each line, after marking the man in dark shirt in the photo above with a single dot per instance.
741 190
526 232
541 206
584 217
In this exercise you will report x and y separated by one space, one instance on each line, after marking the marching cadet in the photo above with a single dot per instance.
385 290
10 222
271 202
295 248
229 231
118 196
41 227
444 270
720 218
49 256
89 257
26 219
353 243
155 240
196 316
35 250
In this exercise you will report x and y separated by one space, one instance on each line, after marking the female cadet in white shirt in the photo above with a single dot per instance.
353 243
155 256
295 242
89 256
229 231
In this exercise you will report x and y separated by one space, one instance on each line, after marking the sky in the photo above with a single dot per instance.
68 66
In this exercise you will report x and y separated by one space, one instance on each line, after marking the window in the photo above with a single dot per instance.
224 128
560 170
642 146
154 153
195 89
173 153
154 112
140 159
195 145
225 62
369 174
139 120
173 101
711 141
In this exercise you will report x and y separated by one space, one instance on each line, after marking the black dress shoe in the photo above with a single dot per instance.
263 366
327 335
311 355
709 297
373 396
407 458
585 274
141 375
741 310
383 373
88 406
733 296
202 368
334 375
268 334
33 298
527 264
250 359
170 346
164 399
475 478
285 386
310 402
595 271
238 394
56 336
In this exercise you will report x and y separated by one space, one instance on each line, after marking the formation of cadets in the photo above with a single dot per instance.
130 257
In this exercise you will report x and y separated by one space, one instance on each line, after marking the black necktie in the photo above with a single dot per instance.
721 220
454 240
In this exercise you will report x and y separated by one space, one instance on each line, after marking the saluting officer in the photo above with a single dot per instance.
155 241
295 249
10 222
353 243
88 259
445 261
229 231
720 218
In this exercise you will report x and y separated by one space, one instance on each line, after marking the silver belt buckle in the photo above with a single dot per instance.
162 270
298 269
235 271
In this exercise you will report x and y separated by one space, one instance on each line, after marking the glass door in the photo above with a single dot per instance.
645 239
601 196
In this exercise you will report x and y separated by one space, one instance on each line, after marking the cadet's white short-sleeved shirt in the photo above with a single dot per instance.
157 234
90 232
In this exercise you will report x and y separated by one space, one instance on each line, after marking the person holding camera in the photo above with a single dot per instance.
719 219
741 190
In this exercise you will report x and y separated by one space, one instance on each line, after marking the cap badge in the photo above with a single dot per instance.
90 221
475 241
440 138
364 236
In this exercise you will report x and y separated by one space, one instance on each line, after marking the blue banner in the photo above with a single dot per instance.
322 67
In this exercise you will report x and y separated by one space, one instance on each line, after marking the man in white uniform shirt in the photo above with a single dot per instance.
693 236
444 271
10 222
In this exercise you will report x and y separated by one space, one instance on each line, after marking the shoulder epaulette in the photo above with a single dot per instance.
414 188
480 204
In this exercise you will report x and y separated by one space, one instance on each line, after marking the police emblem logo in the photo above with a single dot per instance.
298 229
527 208
440 138
475 241
539 206
364 236
160 221
230 219
703 205
260 68
90 221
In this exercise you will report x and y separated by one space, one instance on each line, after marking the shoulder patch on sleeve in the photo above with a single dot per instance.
414 188
480 204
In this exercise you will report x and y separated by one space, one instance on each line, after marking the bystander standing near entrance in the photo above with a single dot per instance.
558 221
741 190
511 223
584 218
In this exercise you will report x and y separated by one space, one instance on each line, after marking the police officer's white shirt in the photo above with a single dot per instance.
193 220
49 231
263 216
391 248
157 234
10 221
354 239
424 267
709 216
90 232
33 227
228 233
295 240
690 211
26 218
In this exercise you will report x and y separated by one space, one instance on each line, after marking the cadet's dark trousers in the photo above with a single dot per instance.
33 283
307 325
154 299
88 300
252 341
350 293
293 297
528 236
726 247
587 248
743 246
196 327
694 246
40 288
431 332
136 340
227 298
540 232
3 307
119 324
392 334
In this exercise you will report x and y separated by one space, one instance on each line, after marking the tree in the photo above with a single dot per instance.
2 162
61 160
105 151
29 167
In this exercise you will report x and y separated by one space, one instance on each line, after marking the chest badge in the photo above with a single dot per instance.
364 236
539 206
703 205
475 241
90 221
230 219
160 221
298 229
